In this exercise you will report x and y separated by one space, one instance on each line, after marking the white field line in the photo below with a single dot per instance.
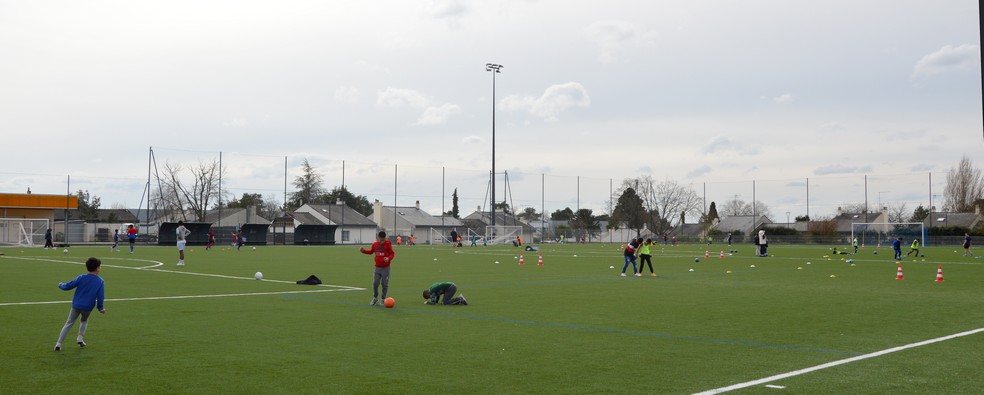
151 268
183 297
837 363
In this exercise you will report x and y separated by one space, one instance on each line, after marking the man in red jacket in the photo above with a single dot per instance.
383 253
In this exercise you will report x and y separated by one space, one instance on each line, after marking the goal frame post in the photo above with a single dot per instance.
26 232
862 229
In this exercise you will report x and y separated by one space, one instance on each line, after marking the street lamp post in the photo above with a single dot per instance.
495 69
787 219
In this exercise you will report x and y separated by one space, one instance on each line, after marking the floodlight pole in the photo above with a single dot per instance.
495 69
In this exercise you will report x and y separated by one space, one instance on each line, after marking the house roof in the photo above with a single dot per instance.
235 216
966 220
342 214
845 220
501 219
418 217
689 229
111 215
742 223
303 218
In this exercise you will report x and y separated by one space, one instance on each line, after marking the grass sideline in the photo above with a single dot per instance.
570 326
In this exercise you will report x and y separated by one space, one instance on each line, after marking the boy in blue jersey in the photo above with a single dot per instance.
897 247
116 241
89 294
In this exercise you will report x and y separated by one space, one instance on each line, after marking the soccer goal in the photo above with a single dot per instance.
872 234
503 234
23 231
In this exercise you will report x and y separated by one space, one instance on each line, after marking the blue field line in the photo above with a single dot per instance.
441 311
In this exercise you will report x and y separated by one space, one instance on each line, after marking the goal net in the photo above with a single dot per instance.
23 231
504 234
884 233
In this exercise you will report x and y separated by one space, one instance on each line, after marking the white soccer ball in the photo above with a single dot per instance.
65 251
258 276
254 248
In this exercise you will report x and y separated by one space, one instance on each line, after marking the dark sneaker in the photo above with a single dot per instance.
57 348
81 344
374 302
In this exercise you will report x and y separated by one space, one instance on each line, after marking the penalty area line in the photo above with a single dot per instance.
190 296
837 363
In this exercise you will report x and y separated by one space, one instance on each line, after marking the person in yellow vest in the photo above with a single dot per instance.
914 248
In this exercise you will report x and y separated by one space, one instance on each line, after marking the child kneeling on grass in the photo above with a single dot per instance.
446 289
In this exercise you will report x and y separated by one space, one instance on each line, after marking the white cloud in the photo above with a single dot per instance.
720 144
432 115
396 97
947 59
700 171
449 9
555 100
347 94
237 122
922 167
833 126
842 169
614 37
473 140
783 99
438 115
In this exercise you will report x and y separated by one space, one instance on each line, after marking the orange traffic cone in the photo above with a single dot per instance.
539 261
722 254
899 275
707 254
939 274
521 262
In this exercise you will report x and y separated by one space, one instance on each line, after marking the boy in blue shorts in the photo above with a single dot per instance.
630 256
89 294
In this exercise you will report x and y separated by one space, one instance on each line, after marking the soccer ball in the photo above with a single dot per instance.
258 276
696 259
389 303
65 251
254 248
876 252
922 255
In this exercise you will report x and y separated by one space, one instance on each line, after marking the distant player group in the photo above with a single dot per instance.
181 234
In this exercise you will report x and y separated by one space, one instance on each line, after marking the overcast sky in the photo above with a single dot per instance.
713 94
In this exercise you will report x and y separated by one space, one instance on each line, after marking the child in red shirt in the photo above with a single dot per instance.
382 249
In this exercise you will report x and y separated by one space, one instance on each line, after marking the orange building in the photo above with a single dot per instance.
16 209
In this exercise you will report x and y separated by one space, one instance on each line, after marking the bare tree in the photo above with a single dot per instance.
899 212
964 186
735 207
854 208
741 207
271 208
190 199
666 202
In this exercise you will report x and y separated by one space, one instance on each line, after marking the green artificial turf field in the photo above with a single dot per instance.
572 325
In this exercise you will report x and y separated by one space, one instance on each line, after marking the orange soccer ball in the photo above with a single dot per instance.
389 303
